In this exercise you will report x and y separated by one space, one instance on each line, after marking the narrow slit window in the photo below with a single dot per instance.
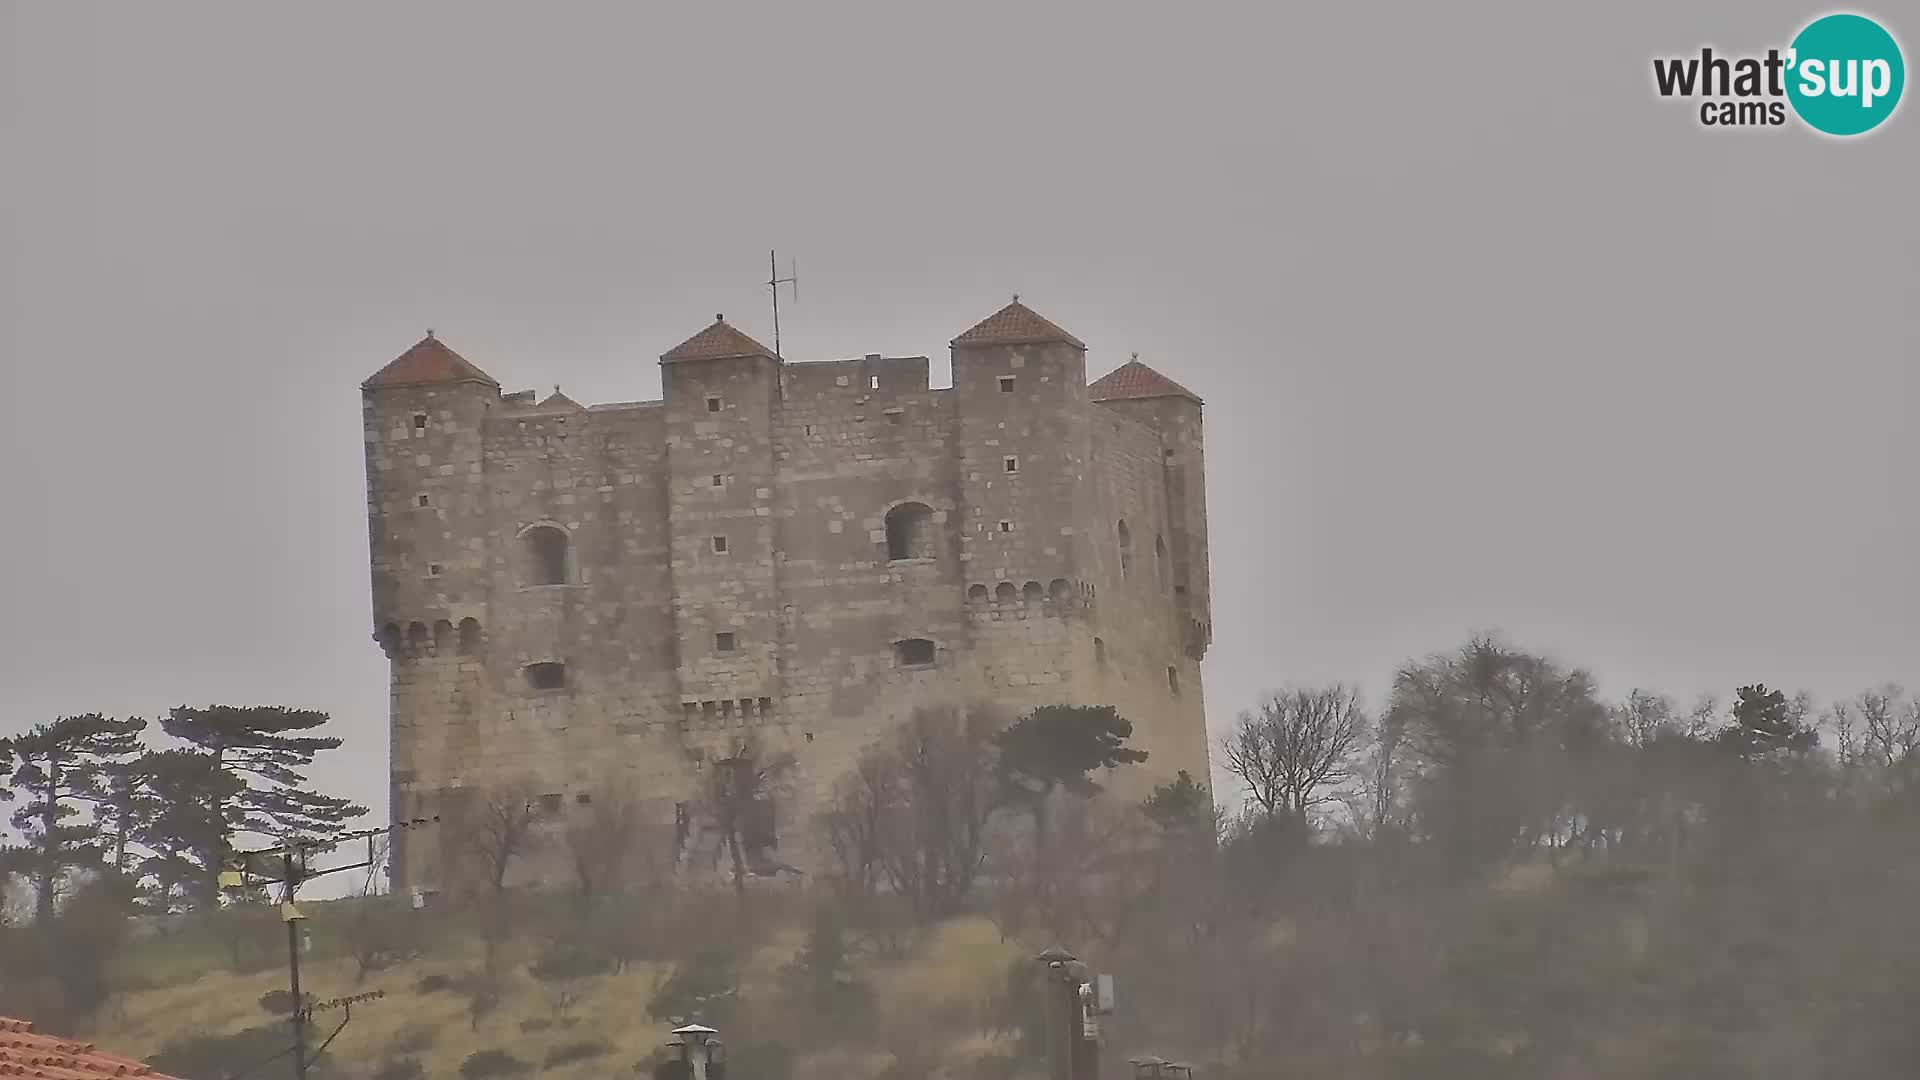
873 382
1012 464
1173 681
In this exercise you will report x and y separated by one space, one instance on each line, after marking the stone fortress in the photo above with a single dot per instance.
577 597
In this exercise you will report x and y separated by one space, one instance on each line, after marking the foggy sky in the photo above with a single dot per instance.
1490 336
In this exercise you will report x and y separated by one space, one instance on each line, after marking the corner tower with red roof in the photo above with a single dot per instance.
620 601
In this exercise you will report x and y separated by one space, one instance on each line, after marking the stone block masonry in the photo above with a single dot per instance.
581 601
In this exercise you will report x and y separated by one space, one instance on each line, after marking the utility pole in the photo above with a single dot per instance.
291 915
286 866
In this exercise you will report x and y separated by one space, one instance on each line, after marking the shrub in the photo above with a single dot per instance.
578 1051
277 1002
484 1063
401 1069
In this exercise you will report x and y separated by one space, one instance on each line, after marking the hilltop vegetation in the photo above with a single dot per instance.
1499 875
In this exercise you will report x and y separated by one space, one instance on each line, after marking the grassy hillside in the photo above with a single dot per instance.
195 994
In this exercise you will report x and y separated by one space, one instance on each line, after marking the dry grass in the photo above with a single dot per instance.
952 971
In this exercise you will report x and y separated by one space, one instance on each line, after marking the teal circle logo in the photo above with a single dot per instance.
1845 74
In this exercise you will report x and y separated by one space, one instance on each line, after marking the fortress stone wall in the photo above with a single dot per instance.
582 599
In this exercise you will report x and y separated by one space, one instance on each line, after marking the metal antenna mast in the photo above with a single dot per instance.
774 281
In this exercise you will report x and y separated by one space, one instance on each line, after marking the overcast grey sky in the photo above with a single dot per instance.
1490 336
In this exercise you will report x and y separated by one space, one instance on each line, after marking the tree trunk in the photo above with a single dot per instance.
49 820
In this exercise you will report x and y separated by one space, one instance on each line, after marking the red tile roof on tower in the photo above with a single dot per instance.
429 361
1134 379
717 342
24 1053
1016 324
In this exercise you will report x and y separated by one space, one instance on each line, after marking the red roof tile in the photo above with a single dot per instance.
1134 379
24 1053
1016 324
429 361
717 342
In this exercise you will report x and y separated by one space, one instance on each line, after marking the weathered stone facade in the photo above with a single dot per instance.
574 597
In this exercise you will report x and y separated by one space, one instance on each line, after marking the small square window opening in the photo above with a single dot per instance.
433 569
719 545
723 641
713 403
1006 526
419 421
719 480
1012 464
1006 384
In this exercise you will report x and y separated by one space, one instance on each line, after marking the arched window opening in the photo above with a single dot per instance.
442 638
977 595
417 639
1100 654
913 652
390 641
469 637
1059 591
546 555
1126 548
1033 593
1160 559
1005 593
547 675
910 531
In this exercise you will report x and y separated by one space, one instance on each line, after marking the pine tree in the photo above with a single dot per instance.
177 821
257 783
60 765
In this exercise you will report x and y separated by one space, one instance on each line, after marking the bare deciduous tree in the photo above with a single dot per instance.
495 829
854 823
1296 748
606 842
935 843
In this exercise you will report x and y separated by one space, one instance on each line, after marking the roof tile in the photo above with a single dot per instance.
429 361
24 1053
1134 379
719 341
1016 324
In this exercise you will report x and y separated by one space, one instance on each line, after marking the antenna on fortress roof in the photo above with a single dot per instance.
774 281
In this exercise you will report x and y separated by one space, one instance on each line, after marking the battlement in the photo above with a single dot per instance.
576 596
